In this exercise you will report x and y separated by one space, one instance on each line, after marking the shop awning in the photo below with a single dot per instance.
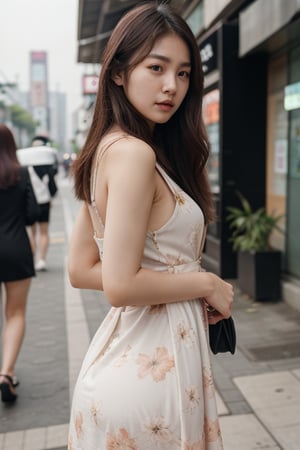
97 19
262 19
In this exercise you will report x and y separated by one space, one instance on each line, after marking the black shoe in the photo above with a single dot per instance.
7 395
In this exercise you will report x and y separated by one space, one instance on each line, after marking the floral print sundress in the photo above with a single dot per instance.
146 381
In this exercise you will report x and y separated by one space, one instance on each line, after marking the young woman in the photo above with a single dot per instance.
146 381
18 208
39 232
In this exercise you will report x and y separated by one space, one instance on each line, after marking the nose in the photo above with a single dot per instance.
169 84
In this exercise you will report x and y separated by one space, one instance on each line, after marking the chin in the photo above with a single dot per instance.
162 121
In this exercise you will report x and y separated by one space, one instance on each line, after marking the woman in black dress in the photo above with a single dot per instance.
18 208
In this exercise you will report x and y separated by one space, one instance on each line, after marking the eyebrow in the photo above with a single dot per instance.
166 59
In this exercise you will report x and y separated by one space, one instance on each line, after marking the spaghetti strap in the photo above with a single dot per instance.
94 177
171 184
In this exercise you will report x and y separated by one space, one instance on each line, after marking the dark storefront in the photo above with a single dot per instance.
234 112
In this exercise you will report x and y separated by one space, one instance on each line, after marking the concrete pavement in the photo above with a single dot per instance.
258 387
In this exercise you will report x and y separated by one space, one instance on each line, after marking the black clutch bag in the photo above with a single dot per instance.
222 336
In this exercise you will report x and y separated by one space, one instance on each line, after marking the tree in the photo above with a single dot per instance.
22 119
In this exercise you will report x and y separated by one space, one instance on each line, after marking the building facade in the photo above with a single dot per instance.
251 59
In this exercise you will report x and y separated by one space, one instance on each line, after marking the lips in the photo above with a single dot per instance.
165 106
166 103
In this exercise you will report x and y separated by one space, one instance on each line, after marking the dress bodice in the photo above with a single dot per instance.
177 244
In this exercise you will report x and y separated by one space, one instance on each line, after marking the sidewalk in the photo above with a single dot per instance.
258 388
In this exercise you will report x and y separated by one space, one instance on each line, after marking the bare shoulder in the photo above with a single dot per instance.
131 150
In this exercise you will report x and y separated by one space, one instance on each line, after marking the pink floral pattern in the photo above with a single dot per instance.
159 431
213 431
70 443
192 399
199 445
96 413
208 381
120 441
156 365
123 359
185 335
79 424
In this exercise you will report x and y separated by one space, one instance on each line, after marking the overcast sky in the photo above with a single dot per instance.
49 25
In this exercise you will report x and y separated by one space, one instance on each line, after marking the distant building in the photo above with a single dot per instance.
39 102
58 124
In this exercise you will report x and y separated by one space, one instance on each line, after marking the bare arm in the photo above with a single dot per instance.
84 264
129 171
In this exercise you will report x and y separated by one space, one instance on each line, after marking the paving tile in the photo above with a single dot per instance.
13 440
275 399
1 441
35 439
57 436
239 407
245 432
296 372
269 389
232 395
221 407
283 422
77 332
288 437
280 415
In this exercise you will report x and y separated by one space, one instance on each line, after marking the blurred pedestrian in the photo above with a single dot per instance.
45 187
146 381
18 208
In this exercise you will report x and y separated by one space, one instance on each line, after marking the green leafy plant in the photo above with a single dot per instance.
251 230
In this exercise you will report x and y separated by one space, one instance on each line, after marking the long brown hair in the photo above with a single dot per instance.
9 164
181 144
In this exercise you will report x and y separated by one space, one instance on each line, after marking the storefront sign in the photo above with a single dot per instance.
292 96
211 107
208 53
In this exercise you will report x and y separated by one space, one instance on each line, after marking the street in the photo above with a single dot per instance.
258 388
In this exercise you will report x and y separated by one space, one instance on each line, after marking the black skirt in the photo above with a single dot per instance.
18 208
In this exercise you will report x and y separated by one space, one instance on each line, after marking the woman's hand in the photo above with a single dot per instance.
220 299
213 316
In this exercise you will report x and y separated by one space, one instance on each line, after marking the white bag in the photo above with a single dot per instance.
40 188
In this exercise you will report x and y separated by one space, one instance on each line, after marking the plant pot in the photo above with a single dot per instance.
259 274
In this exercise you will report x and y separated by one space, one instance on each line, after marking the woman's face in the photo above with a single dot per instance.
157 86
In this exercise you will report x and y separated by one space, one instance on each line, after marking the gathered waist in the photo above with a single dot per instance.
192 266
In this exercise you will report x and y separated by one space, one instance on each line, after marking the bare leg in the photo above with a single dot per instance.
43 239
32 237
14 327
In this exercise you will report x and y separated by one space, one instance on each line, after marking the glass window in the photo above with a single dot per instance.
293 214
277 147
195 20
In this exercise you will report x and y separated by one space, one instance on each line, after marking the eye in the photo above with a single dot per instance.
184 74
155 68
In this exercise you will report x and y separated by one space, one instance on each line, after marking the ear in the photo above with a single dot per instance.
118 78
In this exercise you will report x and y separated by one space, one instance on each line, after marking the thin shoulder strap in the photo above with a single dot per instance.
172 185
98 158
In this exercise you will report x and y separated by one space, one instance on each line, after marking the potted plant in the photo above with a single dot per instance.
259 266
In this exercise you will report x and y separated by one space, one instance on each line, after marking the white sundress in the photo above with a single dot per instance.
146 381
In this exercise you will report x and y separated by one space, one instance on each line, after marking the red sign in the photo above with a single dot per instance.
90 84
38 56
